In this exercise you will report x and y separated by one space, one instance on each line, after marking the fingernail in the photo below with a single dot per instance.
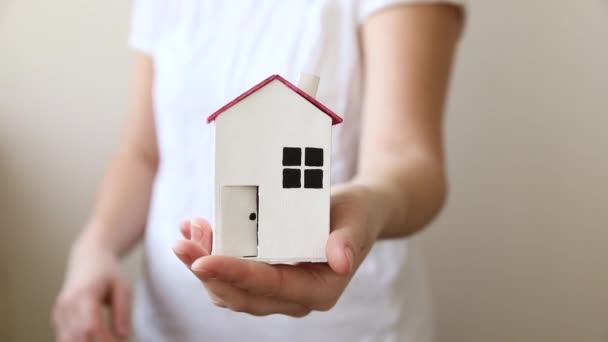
197 266
350 256
196 232
175 248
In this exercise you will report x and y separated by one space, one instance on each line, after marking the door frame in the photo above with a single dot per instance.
257 214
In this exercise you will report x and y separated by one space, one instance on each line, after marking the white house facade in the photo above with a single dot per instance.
271 176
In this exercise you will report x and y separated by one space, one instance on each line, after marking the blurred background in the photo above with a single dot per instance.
520 253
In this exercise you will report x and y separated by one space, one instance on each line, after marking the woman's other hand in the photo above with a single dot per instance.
94 279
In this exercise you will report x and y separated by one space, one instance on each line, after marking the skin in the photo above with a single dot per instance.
400 186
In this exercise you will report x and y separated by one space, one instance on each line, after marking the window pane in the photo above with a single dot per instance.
292 178
292 156
314 156
313 179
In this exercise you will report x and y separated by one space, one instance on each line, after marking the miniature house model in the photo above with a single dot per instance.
272 173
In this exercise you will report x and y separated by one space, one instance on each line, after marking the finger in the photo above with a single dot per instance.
72 330
340 251
87 321
187 251
102 332
239 300
202 233
121 308
72 319
63 319
309 284
184 228
347 245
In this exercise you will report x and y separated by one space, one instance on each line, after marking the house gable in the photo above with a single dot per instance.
334 117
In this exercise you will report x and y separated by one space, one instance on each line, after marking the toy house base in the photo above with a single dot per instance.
272 173
287 261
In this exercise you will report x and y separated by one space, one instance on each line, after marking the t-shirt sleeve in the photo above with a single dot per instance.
369 7
146 18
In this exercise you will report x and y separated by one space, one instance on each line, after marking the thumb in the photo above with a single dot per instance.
121 308
346 248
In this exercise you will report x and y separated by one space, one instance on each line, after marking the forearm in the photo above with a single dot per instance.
119 216
401 157
407 195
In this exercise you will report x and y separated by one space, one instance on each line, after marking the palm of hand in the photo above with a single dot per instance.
296 290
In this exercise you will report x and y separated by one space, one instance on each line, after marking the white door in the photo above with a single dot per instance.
239 206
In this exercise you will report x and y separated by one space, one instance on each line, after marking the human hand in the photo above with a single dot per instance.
262 289
94 279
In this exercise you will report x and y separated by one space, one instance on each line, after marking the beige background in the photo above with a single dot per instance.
519 254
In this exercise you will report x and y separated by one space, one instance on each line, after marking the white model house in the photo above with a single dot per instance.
272 173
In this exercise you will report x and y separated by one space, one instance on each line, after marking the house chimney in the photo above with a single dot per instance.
309 83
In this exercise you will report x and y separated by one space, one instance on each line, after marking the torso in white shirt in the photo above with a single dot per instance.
206 53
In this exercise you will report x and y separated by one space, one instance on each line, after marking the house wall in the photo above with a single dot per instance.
250 136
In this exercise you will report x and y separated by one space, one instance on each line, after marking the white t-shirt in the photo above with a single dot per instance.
206 52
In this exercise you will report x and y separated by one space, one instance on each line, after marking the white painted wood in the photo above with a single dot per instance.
309 83
294 223
240 221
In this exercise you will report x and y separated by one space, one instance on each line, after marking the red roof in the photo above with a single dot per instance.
334 117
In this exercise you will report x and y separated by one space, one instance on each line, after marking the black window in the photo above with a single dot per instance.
291 178
313 179
314 156
313 168
292 156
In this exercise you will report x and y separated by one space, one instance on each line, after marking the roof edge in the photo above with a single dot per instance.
334 117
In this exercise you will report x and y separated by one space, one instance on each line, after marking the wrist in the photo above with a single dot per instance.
388 205
93 239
